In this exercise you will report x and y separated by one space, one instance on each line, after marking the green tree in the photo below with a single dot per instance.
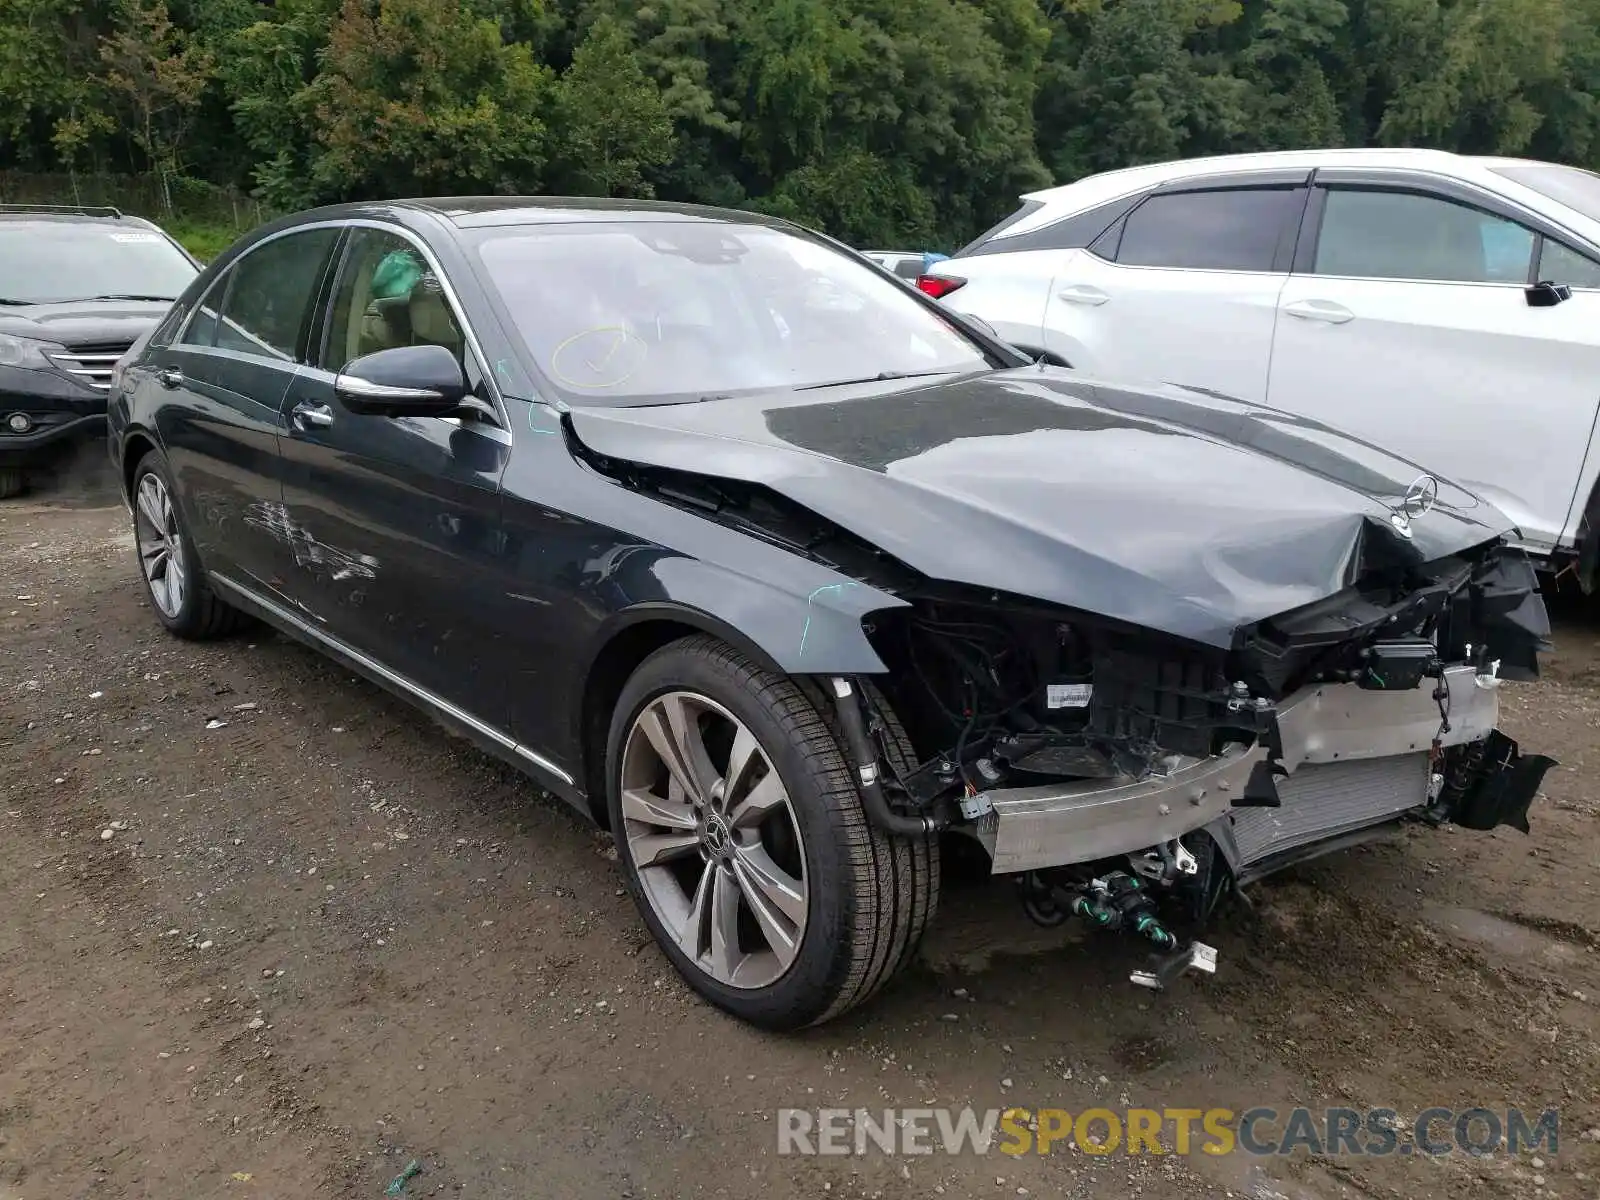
267 73
420 95
614 123
52 106
157 73
1286 60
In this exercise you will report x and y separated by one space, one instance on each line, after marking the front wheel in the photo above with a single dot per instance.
12 482
743 839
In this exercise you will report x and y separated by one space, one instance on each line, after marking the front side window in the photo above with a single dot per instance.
54 261
677 310
1574 187
1228 230
1559 264
268 300
387 296
1404 235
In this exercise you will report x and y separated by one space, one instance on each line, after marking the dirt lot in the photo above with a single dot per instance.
322 938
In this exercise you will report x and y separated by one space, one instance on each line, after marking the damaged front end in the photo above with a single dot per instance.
1110 768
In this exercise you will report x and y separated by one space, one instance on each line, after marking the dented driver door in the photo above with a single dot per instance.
393 523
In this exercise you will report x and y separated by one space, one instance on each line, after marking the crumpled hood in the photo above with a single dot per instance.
1164 507
92 323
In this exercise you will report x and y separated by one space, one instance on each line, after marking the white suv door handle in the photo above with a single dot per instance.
1082 293
1319 310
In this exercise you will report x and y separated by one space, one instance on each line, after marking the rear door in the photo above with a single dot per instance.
222 380
1183 288
1407 323
395 521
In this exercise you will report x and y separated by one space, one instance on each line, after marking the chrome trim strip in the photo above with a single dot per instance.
371 664
357 386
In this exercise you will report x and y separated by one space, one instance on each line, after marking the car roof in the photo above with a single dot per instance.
1131 178
42 214
469 212
1091 190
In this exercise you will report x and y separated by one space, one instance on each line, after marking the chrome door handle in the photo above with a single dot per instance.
1082 294
308 414
170 377
1319 310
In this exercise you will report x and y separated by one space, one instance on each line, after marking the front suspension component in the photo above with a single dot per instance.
1120 903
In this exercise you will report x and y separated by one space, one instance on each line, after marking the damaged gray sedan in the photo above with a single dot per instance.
797 582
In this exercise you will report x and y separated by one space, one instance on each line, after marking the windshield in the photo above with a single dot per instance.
669 311
43 262
1578 189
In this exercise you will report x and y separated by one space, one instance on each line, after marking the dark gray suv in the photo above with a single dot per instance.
77 287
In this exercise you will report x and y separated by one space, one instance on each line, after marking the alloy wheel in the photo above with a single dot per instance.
160 544
712 835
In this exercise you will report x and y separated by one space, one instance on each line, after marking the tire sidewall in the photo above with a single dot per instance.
187 617
804 991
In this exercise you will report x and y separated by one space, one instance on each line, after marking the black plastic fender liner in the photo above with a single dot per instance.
1502 787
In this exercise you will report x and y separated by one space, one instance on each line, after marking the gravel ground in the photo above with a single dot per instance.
269 932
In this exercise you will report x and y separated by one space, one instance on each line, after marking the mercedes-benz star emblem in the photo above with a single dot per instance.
1419 499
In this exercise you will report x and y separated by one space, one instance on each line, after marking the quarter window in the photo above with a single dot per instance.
387 296
1230 230
202 327
1404 235
269 297
1558 264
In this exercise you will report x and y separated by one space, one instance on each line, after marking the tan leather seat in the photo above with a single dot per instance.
431 322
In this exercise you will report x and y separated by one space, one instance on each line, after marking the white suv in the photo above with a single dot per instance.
1401 295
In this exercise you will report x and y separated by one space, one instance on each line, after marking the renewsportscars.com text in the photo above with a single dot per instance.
1261 1131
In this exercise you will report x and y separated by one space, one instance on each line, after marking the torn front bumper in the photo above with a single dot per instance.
1354 758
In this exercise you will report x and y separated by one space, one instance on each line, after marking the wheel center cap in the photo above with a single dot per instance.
715 836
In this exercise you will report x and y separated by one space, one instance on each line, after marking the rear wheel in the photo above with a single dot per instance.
174 583
743 839
12 482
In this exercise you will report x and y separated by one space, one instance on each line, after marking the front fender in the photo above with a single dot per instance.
812 632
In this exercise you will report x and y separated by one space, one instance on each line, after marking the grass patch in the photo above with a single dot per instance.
204 241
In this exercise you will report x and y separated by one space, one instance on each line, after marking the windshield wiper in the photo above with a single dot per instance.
880 377
115 296
15 303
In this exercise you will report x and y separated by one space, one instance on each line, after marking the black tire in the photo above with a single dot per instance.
12 482
201 616
870 896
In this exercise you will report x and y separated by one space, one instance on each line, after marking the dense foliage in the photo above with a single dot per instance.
885 121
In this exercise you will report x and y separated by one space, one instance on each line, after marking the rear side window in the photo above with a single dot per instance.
1405 235
1233 230
1069 233
269 297
1029 207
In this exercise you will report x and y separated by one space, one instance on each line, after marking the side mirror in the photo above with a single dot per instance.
404 381
1546 294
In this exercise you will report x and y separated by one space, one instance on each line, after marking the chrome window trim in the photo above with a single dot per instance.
338 224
